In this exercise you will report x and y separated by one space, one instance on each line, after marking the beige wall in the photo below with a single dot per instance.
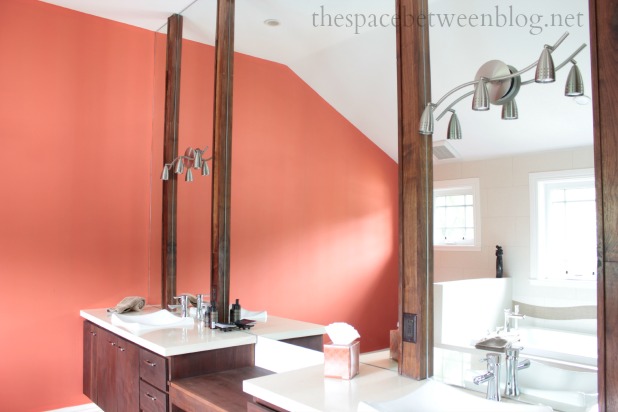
505 220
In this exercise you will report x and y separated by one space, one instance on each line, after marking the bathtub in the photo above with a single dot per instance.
562 389
559 346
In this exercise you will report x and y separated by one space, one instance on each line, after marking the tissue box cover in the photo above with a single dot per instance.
341 361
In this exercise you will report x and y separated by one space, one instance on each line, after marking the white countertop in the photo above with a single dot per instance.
173 341
308 390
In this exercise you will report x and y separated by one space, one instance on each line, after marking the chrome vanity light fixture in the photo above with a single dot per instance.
509 110
498 83
192 159
575 83
454 128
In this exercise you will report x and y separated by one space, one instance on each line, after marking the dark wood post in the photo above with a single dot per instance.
415 193
222 158
170 151
603 41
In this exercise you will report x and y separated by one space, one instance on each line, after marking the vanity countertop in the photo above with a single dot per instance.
308 390
173 341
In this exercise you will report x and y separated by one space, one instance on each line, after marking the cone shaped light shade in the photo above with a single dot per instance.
179 167
454 128
189 175
426 125
575 83
509 110
165 174
205 169
197 159
480 101
545 71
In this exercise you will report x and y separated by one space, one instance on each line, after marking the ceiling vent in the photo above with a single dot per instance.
443 150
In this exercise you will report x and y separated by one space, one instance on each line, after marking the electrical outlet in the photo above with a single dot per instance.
409 327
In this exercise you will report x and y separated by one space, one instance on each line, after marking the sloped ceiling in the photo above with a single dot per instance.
351 60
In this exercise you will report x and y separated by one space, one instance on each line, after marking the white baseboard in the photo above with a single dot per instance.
89 407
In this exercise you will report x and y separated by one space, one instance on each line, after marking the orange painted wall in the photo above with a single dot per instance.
75 125
314 214
315 236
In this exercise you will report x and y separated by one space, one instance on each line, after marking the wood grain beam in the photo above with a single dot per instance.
170 151
222 158
415 192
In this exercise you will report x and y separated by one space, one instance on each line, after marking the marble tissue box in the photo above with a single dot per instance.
341 361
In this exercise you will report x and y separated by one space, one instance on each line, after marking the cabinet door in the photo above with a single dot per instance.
105 370
89 378
127 375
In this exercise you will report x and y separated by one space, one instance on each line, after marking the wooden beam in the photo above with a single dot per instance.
222 158
170 151
604 53
415 193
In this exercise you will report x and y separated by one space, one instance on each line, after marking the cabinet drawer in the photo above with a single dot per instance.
151 399
153 369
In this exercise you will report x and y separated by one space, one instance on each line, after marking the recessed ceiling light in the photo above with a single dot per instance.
272 22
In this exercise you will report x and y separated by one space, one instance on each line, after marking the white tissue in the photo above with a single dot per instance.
341 333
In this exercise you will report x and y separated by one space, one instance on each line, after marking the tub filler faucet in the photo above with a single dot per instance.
492 377
513 365
514 316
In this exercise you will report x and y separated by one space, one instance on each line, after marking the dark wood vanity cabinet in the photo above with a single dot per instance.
122 376
111 373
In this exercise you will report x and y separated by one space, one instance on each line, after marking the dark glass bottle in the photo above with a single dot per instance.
213 316
235 312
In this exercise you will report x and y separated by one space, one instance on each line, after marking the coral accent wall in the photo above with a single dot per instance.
314 208
314 202
75 128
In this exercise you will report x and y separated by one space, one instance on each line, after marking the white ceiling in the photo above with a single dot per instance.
355 70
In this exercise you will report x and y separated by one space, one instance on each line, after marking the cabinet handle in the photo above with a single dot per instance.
152 398
121 348
150 363
93 333
112 343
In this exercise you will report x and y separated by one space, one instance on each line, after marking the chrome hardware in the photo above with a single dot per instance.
184 305
508 315
150 363
513 365
492 377
200 307
149 396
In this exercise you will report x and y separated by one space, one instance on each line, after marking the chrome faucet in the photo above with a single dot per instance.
184 305
492 377
200 307
513 365
508 315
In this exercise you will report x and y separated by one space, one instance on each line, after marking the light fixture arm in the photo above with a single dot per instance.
507 77
502 78
189 156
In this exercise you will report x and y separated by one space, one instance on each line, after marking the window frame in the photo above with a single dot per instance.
470 186
572 177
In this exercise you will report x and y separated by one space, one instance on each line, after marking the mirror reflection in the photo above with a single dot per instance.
515 229
314 183
314 180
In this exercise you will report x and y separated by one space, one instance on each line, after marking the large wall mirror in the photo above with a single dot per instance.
314 180
532 182
314 217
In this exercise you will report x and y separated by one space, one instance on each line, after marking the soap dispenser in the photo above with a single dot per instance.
235 312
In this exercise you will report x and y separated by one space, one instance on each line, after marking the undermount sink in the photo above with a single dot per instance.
438 397
137 322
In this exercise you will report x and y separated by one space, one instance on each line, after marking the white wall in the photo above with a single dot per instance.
505 219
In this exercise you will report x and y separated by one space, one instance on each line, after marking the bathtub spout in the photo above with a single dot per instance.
492 377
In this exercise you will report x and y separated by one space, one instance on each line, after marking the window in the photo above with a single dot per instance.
563 225
456 215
